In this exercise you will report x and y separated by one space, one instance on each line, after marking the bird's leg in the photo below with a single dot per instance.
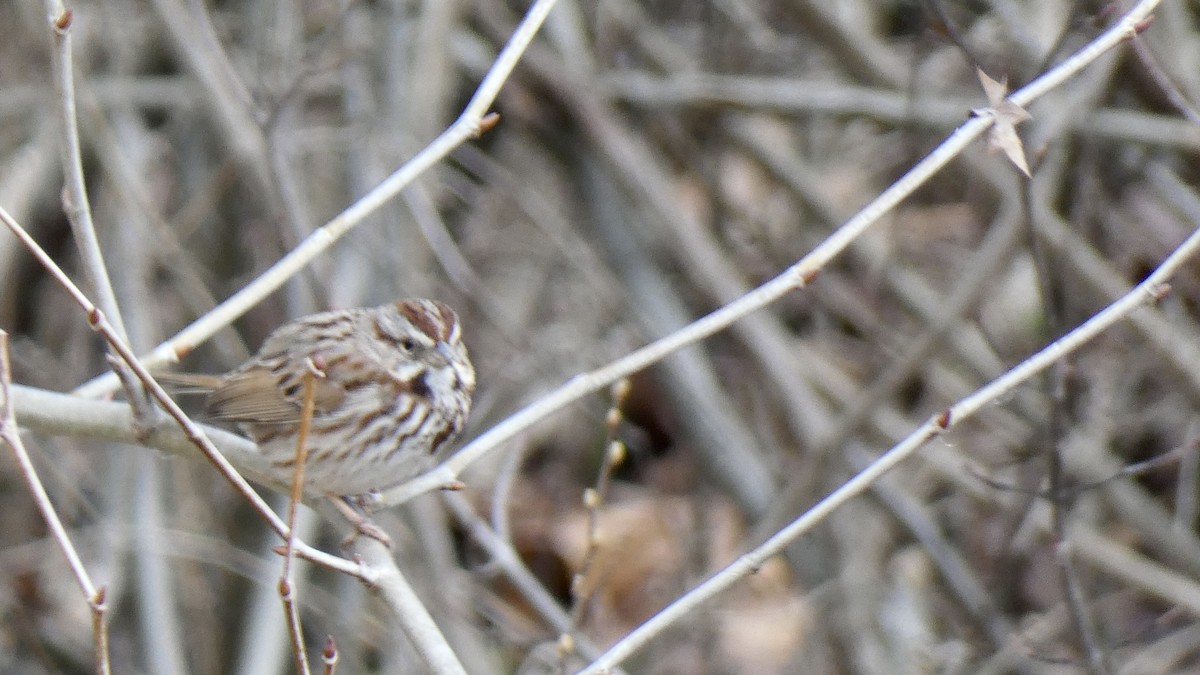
352 509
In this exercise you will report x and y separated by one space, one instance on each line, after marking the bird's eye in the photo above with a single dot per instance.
407 344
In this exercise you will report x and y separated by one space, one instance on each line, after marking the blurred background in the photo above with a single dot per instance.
654 160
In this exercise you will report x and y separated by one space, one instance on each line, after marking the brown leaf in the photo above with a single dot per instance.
1007 115
643 547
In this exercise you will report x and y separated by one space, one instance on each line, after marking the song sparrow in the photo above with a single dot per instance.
396 388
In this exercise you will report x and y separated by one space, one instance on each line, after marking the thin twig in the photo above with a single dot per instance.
723 440
99 323
1154 578
1059 395
796 277
1164 82
11 435
57 413
1150 290
805 95
329 655
473 121
99 606
594 498
963 581
291 608
311 373
1185 489
287 585
192 34
407 607
501 552
78 207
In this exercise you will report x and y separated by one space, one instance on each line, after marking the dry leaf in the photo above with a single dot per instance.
639 563
1007 115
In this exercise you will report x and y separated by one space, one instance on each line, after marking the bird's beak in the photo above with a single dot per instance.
462 371
446 353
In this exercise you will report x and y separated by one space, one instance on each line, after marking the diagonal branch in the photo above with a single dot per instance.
1150 290
796 277
473 122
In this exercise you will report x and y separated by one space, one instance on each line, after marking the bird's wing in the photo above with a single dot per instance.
257 395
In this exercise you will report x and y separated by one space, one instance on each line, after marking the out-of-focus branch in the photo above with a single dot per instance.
10 434
79 210
471 123
793 278
1148 291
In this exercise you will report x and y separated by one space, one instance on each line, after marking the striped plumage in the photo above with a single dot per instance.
396 389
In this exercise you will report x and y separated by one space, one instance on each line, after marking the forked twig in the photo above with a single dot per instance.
378 570
474 121
77 206
1149 290
63 414
796 277
410 612
193 432
99 323
9 433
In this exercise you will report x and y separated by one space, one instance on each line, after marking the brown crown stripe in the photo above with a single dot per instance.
449 321
422 315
